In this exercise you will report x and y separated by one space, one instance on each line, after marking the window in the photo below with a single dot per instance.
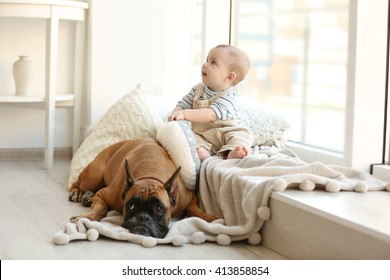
299 52
321 63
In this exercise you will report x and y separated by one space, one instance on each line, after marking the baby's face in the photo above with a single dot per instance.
216 70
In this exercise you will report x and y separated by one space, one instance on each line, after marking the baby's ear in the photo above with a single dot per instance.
231 76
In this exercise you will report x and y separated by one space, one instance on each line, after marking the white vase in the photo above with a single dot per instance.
22 70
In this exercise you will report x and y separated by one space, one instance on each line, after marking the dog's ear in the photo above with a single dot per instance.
129 180
171 186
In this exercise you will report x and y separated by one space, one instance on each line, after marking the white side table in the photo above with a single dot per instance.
53 11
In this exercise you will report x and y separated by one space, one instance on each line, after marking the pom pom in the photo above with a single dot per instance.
264 213
279 185
333 187
81 228
198 238
307 185
149 242
178 240
61 238
224 239
254 239
361 187
92 234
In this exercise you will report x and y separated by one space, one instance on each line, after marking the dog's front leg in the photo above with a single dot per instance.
99 209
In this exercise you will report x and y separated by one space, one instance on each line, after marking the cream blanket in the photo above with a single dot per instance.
237 191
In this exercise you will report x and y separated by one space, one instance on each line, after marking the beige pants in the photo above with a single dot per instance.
221 140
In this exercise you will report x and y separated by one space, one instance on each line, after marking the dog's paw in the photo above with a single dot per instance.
75 194
87 198
75 219
92 216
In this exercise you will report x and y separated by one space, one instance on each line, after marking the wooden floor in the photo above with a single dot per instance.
34 206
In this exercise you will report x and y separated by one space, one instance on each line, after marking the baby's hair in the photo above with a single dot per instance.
240 63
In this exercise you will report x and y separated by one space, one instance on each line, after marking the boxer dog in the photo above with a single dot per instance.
138 179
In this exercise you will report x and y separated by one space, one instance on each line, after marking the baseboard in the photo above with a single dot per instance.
34 153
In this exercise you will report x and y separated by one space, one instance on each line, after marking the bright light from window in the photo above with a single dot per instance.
299 52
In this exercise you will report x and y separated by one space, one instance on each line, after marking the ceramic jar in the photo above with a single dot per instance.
22 71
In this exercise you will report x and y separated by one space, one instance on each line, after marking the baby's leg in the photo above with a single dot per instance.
236 142
202 153
238 152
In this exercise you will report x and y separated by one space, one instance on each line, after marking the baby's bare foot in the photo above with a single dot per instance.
202 153
238 152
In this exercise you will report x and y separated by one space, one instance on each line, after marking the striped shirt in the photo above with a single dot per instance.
224 107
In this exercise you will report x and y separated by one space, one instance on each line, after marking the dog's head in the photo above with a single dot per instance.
148 204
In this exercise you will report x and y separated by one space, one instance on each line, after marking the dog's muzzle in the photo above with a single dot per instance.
144 224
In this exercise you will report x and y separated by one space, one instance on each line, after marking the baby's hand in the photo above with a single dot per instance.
177 116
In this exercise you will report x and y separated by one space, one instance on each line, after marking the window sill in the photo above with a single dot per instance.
311 154
323 225
381 171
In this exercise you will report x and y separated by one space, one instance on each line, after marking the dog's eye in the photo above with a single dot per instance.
131 207
159 210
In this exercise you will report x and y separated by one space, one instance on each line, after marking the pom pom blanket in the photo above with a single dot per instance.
237 191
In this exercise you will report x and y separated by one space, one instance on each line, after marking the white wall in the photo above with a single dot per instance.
178 48
129 42
126 47
148 42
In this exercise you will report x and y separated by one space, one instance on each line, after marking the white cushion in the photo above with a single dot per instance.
266 126
130 117
179 141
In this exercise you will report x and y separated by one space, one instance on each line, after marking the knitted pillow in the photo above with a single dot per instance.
266 126
130 117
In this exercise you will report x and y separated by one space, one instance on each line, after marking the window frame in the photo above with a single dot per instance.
365 114
365 108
